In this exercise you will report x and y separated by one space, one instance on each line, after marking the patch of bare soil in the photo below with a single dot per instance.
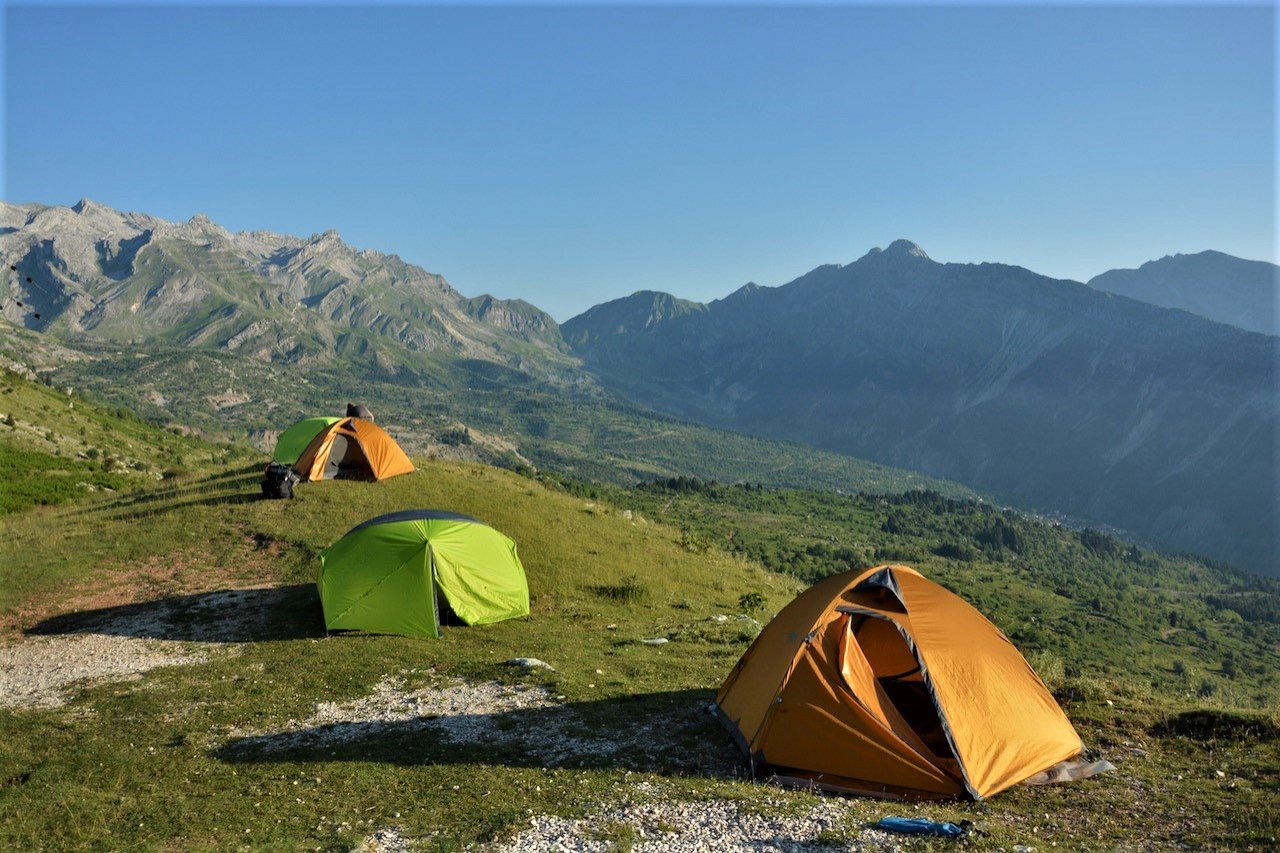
157 576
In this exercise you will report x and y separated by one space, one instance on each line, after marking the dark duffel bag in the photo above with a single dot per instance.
278 481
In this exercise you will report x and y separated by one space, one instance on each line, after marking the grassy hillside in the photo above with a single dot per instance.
1079 603
55 446
516 419
266 733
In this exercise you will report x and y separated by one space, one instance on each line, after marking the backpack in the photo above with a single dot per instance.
278 481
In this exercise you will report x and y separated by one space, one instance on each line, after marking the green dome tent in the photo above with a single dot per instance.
385 575
295 439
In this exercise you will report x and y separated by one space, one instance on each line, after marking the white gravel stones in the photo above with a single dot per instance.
454 706
652 824
40 671
460 711
525 720
385 841
656 641
125 641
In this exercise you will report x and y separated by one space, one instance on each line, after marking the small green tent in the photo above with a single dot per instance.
385 574
295 439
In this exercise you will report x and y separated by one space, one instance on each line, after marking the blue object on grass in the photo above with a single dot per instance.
919 826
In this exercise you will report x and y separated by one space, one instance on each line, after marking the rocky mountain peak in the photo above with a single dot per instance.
905 249
896 251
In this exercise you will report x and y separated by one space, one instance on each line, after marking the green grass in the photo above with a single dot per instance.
159 762
1079 604
1125 637
57 447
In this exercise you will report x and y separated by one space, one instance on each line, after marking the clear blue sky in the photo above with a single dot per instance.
571 155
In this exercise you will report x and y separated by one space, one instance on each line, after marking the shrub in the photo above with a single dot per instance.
955 551
456 437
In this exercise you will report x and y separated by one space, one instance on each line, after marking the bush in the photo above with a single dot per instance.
955 551
456 437
751 602
1219 725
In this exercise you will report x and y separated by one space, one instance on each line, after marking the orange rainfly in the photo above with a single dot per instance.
883 682
355 449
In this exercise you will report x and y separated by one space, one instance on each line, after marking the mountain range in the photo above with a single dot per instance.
1048 394
93 272
1045 393
1211 284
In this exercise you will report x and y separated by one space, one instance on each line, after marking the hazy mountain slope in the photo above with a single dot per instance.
1048 393
641 310
513 418
1211 284
101 274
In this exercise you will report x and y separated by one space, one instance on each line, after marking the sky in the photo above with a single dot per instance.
568 155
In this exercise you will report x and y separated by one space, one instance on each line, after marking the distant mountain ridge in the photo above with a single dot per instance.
1212 284
107 275
1048 393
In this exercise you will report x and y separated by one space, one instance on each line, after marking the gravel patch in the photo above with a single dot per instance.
461 711
44 669
527 721
40 672
385 841
653 824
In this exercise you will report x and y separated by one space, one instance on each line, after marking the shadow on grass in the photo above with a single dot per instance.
222 499
222 616
670 733
181 489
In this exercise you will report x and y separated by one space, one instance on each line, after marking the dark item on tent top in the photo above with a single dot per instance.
359 410
278 481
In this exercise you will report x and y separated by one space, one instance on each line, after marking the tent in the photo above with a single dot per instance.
882 682
295 439
352 449
387 574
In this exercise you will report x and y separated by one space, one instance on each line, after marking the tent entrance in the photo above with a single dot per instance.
346 460
899 674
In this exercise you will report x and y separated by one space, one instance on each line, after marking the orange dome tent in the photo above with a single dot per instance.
882 682
352 449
